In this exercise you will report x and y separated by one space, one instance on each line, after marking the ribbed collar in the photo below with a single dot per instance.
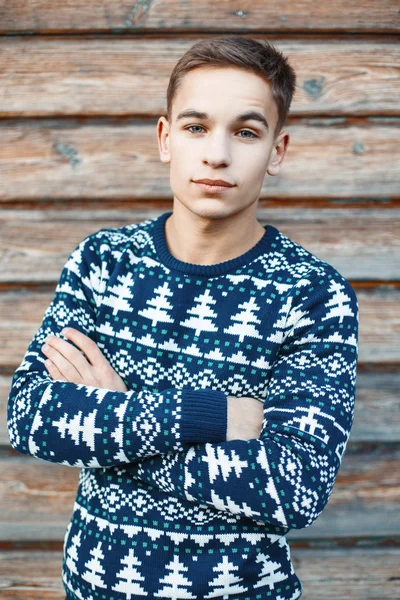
165 256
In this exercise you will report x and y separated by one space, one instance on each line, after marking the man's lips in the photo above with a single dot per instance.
213 189
214 182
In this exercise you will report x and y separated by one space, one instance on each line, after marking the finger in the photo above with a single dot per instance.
66 367
86 344
72 354
52 369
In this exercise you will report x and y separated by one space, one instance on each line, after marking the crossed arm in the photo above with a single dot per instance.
66 363
79 412
284 476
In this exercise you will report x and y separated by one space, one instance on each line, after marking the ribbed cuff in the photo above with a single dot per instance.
204 416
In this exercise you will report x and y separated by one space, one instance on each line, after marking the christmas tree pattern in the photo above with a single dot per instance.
202 314
129 576
338 305
120 296
245 319
74 428
97 281
160 305
270 573
176 583
277 334
218 460
94 568
226 583
72 552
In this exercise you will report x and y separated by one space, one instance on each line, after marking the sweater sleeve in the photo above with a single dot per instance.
85 426
285 477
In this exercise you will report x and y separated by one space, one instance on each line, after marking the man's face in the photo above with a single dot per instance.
219 146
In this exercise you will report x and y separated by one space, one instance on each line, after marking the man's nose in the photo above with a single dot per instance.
217 150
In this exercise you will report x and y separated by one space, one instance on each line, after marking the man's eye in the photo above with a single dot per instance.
248 131
190 126
253 135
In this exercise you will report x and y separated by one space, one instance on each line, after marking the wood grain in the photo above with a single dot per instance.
118 76
347 573
119 159
32 574
50 16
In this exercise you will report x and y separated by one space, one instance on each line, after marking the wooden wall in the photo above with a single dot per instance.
82 85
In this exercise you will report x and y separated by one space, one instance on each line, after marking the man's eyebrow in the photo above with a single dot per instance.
247 116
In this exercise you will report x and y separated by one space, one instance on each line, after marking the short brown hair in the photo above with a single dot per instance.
261 58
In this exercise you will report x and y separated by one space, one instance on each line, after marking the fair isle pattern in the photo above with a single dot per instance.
166 507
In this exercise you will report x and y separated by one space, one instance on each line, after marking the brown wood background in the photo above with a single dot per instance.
82 85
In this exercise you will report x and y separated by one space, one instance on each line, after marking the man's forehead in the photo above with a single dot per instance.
196 99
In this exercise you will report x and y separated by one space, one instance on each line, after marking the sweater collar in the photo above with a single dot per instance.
227 266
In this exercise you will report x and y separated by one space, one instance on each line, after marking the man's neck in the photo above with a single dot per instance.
208 242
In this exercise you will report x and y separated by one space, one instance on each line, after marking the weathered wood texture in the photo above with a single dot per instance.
21 312
120 159
117 76
325 573
376 414
37 497
198 15
34 244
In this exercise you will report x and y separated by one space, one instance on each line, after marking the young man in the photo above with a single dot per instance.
206 384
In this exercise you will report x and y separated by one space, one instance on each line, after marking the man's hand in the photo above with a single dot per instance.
245 418
68 364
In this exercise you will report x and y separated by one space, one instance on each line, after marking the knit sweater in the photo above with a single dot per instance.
166 507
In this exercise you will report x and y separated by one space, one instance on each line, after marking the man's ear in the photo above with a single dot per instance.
278 153
163 139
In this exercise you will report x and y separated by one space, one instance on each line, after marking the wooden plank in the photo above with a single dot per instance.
376 414
119 159
31 574
117 76
203 15
325 573
379 324
37 497
347 573
361 243
22 311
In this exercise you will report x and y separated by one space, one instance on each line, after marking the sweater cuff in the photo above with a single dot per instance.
204 416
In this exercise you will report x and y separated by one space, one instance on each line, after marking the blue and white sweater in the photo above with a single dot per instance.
166 507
